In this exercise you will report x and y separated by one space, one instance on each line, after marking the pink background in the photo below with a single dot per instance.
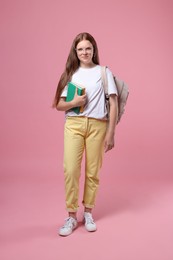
134 208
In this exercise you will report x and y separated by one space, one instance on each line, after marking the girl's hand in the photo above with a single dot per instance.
109 141
79 100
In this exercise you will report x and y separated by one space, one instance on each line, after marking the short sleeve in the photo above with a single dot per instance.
64 92
112 89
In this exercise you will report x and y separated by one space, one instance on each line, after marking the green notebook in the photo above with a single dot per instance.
71 89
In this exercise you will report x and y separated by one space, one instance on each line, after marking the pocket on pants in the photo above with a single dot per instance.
74 126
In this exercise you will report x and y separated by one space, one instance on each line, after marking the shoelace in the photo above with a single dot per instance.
68 223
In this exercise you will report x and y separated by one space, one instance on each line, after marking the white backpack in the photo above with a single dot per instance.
123 93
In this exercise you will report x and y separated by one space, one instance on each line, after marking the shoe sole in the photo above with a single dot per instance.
63 235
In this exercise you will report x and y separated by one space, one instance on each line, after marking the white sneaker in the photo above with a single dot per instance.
89 222
69 226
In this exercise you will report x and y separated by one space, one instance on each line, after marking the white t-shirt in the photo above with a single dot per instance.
90 78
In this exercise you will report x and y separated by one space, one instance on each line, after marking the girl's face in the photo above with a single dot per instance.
85 51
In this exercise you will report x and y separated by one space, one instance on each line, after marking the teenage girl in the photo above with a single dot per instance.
89 131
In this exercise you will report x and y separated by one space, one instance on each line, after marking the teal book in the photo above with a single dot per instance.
71 90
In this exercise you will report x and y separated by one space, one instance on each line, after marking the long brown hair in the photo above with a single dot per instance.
72 63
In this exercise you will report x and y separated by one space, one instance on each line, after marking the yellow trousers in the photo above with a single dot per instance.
82 134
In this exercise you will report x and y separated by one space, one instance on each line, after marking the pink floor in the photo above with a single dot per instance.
134 217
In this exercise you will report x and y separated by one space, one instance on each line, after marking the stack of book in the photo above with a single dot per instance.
71 90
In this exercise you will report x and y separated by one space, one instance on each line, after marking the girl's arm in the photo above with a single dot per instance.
113 117
76 102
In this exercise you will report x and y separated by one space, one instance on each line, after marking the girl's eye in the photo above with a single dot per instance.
88 49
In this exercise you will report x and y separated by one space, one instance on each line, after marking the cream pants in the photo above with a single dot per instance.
82 134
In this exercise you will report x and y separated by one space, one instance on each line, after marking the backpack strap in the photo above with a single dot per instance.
105 86
104 79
